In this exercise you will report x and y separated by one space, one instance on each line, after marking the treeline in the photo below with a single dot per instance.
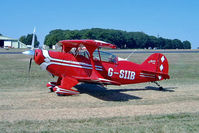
120 38
28 40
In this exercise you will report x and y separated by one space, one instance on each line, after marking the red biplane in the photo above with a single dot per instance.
82 61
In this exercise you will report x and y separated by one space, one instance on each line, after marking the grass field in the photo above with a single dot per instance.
26 105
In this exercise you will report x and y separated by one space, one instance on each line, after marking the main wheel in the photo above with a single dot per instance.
51 89
160 88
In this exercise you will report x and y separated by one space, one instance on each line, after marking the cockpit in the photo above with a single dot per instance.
97 55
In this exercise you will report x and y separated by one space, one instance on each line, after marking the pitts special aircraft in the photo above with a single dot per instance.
82 61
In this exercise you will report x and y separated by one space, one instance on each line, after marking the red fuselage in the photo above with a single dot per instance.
63 64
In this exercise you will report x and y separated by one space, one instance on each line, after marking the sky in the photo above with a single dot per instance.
172 19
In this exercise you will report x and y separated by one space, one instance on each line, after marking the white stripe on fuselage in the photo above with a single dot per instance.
49 61
46 54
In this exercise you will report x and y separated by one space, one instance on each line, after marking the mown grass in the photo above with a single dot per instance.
173 123
14 74
14 77
14 70
12 50
183 71
183 67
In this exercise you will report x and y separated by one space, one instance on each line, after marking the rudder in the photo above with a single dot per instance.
156 63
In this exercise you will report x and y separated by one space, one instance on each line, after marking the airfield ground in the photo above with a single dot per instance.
27 106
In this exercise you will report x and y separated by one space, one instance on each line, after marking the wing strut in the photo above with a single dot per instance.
94 75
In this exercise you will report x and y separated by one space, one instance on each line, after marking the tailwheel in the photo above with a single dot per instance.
160 87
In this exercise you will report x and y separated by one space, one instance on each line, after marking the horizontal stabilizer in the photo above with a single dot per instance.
158 75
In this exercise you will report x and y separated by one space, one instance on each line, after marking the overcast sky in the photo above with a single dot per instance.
169 18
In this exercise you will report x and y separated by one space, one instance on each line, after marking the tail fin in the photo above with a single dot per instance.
156 64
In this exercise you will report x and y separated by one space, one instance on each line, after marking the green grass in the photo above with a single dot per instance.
14 78
14 73
183 68
13 50
174 123
14 70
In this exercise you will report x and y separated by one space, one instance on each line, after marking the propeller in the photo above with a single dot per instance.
31 52
30 65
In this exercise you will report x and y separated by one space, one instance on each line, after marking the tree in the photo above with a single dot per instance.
28 40
177 44
73 35
152 42
168 44
130 42
121 39
53 37
0 34
186 44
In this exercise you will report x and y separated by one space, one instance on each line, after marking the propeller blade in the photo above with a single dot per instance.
33 39
29 52
30 65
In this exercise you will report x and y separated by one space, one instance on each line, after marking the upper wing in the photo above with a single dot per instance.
68 44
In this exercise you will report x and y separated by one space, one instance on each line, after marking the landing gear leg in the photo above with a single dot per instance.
51 89
160 87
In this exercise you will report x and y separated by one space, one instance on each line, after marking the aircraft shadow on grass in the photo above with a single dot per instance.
105 94
168 89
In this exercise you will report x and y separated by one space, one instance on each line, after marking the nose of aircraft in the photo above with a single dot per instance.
38 56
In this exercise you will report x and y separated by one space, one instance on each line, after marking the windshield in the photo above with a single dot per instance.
104 56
